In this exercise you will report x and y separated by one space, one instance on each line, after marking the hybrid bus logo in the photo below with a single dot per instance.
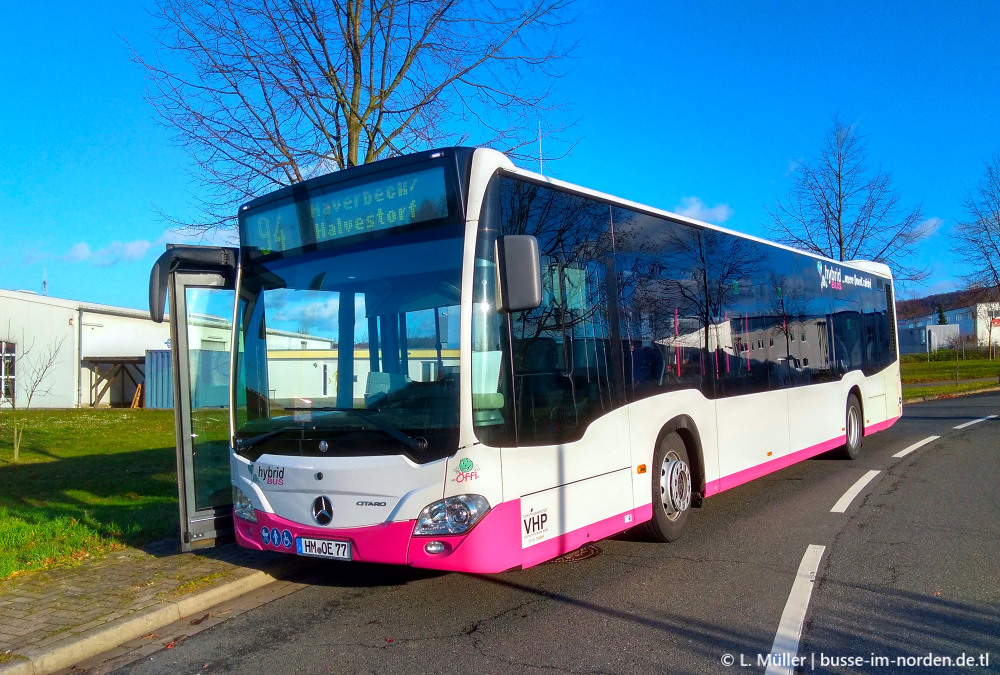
834 277
267 475
829 277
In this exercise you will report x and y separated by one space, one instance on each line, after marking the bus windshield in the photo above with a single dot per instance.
352 350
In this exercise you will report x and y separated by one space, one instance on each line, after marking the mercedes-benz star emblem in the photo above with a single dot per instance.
323 510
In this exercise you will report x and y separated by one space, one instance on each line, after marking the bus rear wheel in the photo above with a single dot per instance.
853 429
671 486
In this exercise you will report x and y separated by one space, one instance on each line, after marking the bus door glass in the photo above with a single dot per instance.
201 316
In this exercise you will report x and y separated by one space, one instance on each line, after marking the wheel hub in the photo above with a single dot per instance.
675 486
853 426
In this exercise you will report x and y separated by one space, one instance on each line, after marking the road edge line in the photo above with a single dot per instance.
919 444
854 491
786 640
969 424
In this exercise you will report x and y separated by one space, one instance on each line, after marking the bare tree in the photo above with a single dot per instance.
977 239
267 93
840 208
32 372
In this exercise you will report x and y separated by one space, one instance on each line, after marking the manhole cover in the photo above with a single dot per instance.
588 551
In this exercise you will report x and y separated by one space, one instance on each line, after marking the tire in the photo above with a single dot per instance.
853 429
671 470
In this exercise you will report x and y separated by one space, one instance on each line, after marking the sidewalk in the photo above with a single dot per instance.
54 619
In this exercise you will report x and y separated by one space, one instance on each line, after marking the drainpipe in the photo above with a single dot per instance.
79 357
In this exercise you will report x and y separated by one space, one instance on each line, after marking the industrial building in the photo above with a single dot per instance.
97 352
107 356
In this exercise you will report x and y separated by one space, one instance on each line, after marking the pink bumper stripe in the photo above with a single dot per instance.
382 543
493 545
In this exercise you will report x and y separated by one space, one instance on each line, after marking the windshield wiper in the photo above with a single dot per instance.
243 444
418 444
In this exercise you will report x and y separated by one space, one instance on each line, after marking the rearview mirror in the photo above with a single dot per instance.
519 275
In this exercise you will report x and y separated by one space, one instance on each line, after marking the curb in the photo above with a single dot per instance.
98 640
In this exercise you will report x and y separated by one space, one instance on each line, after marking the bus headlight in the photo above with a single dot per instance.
454 515
242 508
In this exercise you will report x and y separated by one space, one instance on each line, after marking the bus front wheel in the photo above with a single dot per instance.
671 486
853 429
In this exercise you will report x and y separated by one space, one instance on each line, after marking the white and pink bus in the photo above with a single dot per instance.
445 361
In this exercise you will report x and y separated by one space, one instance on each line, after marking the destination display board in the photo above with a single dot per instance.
327 216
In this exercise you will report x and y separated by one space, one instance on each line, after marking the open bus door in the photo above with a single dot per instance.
201 282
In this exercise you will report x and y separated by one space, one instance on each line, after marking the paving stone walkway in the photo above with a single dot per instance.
50 611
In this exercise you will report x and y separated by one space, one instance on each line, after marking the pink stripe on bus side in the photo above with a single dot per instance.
880 426
747 475
566 543
740 477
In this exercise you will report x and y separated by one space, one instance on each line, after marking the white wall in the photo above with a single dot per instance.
104 335
37 324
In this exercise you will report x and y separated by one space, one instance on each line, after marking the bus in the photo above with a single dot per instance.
444 361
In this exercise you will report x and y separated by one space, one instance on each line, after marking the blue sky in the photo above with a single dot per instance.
694 107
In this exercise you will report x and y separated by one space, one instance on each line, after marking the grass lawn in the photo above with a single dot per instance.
87 482
942 371
946 389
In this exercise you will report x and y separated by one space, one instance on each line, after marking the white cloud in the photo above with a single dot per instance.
135 250
79 252
139 249
693 207
794 165
930 227
112 254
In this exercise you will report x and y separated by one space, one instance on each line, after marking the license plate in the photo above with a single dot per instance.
324 548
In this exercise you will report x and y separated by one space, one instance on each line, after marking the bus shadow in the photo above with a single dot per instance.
337 574
704 637
908 624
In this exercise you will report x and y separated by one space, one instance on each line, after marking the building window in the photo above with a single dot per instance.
8 357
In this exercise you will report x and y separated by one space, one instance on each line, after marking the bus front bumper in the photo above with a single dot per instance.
492 545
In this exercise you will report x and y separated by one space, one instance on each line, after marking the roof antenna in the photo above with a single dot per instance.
541 168
45 282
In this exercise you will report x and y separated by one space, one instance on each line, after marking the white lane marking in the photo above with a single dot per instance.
849 496
918 444
969 424
786 641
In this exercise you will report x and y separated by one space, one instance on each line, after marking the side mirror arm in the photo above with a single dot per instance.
191 258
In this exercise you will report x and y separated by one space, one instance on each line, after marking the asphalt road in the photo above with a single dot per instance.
909 571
